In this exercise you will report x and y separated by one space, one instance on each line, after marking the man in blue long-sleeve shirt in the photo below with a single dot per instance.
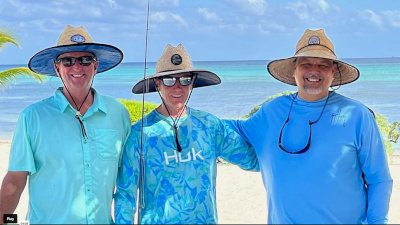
321 155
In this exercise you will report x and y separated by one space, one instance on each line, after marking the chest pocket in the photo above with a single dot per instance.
108 144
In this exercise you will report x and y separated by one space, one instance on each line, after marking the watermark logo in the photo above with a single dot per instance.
10 218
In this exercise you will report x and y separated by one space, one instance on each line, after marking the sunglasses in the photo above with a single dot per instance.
310 123
170 81
70 61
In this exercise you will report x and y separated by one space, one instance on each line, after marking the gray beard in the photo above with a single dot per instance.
313 91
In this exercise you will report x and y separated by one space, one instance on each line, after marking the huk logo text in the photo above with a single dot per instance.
177 156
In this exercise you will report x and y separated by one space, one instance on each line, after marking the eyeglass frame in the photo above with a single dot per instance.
177 78
74 59
310 123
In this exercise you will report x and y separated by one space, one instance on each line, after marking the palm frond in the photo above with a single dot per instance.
10 75
7 36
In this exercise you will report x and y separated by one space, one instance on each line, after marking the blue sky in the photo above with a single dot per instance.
209 29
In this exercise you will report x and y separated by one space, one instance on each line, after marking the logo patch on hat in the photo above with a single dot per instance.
314 40
78 38
176 59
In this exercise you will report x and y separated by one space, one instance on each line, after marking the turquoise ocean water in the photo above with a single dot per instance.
245 84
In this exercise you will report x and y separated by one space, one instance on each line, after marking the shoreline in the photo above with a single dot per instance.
241 197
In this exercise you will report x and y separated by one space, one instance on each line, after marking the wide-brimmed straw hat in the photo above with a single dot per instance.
313 43
175 60
75 39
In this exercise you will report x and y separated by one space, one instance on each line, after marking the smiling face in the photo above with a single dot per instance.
173 97
313 77
77 78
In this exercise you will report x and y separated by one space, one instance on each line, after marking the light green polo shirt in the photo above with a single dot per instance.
71 180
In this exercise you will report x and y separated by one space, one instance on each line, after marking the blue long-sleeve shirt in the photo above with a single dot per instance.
342 178
178 187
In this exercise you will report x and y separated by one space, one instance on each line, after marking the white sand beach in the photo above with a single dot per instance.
241 198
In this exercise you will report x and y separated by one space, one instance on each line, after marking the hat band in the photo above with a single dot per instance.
170 70
318 45
165 71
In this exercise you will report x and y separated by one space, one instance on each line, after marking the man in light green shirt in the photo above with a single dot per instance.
69 144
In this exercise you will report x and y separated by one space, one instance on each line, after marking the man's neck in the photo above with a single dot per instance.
78 99
173 112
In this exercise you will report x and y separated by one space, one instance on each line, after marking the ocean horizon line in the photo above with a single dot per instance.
394 59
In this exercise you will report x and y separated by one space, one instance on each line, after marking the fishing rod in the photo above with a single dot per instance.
142 166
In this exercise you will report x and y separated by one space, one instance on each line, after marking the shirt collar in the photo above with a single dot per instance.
61 100
98 101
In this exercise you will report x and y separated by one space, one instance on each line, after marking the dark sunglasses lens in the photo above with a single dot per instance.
169 82
85 60
68 61
185 81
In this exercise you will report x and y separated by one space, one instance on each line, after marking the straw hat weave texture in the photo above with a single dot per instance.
313 43
175 60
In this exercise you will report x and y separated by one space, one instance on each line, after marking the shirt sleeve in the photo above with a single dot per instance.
250 129
21 152
127 183
126 131
236 150
373 161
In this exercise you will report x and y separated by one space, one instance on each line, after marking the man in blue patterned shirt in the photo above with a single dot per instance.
176 164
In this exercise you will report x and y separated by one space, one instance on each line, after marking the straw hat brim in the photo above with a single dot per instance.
203 78
282 70
108 57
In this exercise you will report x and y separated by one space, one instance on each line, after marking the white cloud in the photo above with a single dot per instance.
263 31
112 3
371 17
393 18
94 11
268 27
159 16
320 5
274 26
44 26
300 9
208 15
257 7
19 7
62 3
164 3
179 19
167 17
312 10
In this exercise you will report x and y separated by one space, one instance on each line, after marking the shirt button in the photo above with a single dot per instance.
88 189
88 165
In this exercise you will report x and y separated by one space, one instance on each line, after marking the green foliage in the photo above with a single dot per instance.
135 108
394 132
384 127
389 132
9 76
7 36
